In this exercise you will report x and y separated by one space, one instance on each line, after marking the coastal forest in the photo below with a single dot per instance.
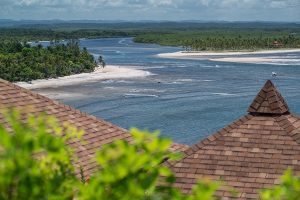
226 39
195 36
21 62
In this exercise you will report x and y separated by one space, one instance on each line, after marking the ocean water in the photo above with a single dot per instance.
186 99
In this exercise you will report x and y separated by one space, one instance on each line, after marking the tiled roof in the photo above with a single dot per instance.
97 131
268 100
178 147
247 155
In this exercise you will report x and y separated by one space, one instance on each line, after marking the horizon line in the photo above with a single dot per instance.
149 20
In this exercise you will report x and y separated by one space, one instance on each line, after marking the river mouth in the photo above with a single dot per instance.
186 99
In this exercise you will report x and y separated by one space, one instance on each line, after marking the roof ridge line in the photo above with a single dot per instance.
286 125
76 145
38 96
192 149
84 114
268 101
81 113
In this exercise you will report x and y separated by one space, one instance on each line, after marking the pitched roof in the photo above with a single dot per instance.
97 131
268 100
247 155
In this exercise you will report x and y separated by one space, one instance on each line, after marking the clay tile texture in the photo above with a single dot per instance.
268 100
248 155
96 131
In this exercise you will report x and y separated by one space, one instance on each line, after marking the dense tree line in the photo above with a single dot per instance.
22 62
34 34
240 43
226 39
191 36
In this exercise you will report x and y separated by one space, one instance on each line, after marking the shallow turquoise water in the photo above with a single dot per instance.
185 99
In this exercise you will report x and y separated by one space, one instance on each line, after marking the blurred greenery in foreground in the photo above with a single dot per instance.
35 163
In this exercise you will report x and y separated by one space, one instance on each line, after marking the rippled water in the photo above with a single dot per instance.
185 99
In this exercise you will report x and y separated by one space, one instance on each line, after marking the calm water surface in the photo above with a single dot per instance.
187 100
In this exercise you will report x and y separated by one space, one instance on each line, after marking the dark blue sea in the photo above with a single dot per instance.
186 100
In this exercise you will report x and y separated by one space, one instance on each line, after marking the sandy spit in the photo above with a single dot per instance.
109 72
203 55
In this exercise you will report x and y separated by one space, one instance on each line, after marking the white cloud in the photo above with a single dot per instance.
277 4
161 2
154 9
284 3
155 3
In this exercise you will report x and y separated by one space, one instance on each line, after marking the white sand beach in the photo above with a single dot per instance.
258 60
207 54
265 57
109 72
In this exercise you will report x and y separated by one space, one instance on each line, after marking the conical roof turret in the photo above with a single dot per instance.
268 101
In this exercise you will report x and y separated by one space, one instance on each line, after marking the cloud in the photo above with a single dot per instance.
162 2
155 3
152 9
284 3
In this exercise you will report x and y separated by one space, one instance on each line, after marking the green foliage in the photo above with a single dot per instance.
34 162
21 62
218 39
129 170
289 188
133 170
36 34
101 61
191 35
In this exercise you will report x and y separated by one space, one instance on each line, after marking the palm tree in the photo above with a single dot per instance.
101 61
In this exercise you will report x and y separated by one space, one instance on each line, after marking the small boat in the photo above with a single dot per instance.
274 74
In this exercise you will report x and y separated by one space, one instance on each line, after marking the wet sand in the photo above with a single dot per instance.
109 72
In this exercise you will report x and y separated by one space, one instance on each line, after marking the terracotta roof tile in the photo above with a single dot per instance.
249 154
179 147
269 101
97 131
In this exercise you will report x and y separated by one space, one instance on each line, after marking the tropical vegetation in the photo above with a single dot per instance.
220 39
21 62
35 34
36 164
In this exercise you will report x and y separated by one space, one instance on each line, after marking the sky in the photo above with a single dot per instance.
133 10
